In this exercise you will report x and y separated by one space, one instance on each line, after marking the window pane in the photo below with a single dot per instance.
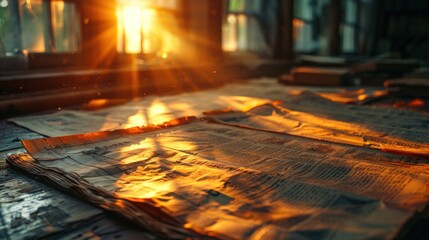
31 12
250 26
65 26
242 31
229 34
350 26
348 38
6 41
166 4
350 11
303 36
143 29
132 22
304 9
308 24
236 5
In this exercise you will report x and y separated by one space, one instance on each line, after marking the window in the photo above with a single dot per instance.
349 28
65 27
6 38
39 26
250 26
147 27
35 33
304 26
307 26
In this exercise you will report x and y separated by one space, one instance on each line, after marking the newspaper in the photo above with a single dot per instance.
308 115
158 109
153 109
136 113
193 178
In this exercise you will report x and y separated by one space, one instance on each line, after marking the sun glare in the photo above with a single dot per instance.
135 28
142 29
132 27
137 119
148 16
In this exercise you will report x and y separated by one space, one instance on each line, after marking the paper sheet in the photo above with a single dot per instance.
232 182
311 116
153 109
158 109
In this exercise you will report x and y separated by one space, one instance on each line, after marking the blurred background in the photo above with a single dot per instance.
68 45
